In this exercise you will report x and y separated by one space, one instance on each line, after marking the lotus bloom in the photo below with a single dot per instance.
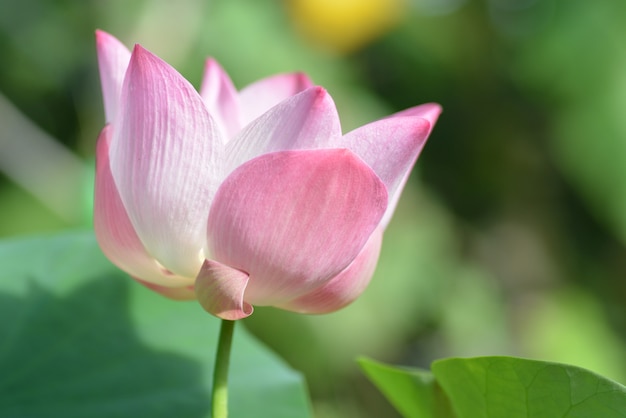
242 198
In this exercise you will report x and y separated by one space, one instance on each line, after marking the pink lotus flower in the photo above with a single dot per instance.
243 198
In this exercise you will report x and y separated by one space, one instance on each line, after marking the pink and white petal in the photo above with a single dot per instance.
174 293
259 97
428 111
113 58
344 288
391 147
307 120
293 220
220 290
165 159
114 231
220 96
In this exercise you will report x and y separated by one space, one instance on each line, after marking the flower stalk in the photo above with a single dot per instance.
219 393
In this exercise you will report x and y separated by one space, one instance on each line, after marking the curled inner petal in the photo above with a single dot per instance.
220 290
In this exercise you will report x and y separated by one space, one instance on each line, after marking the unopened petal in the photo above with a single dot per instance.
113 58
293 220
344 288
220 96
305 121
259 97
391 146
220 290
165 159
114 231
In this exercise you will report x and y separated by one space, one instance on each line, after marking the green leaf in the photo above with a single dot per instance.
80 339
519 388
499 387
413 392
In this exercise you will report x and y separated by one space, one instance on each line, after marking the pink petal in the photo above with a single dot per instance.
165 159
259 97
220 96
114 231
344 288
220 290
390 146
113 58
293 220
174 293
428 111
305 121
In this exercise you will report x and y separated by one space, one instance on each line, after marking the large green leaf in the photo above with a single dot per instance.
413 392
78 338
499 387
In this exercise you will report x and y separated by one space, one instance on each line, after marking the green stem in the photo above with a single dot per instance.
220 372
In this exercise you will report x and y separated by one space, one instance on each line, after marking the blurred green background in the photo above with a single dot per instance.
510 237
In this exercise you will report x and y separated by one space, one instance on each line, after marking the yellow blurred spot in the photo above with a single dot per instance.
345 25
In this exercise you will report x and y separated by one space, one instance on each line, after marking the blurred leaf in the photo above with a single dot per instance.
24 214
499 387
584 99
80 339
578 332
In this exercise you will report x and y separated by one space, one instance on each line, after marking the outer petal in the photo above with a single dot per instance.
114 231
220 96
305 121
113 58
344 288
391 146
428 111
174 293
257 98
165 159
220 291
294 219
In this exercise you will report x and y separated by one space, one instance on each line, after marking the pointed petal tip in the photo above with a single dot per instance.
211 62
138 49
432 111
102 36
303 80
316 93
319 91
107 44
139 52
428 111
220 290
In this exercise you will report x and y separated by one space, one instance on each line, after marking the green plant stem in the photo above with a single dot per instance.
219 395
